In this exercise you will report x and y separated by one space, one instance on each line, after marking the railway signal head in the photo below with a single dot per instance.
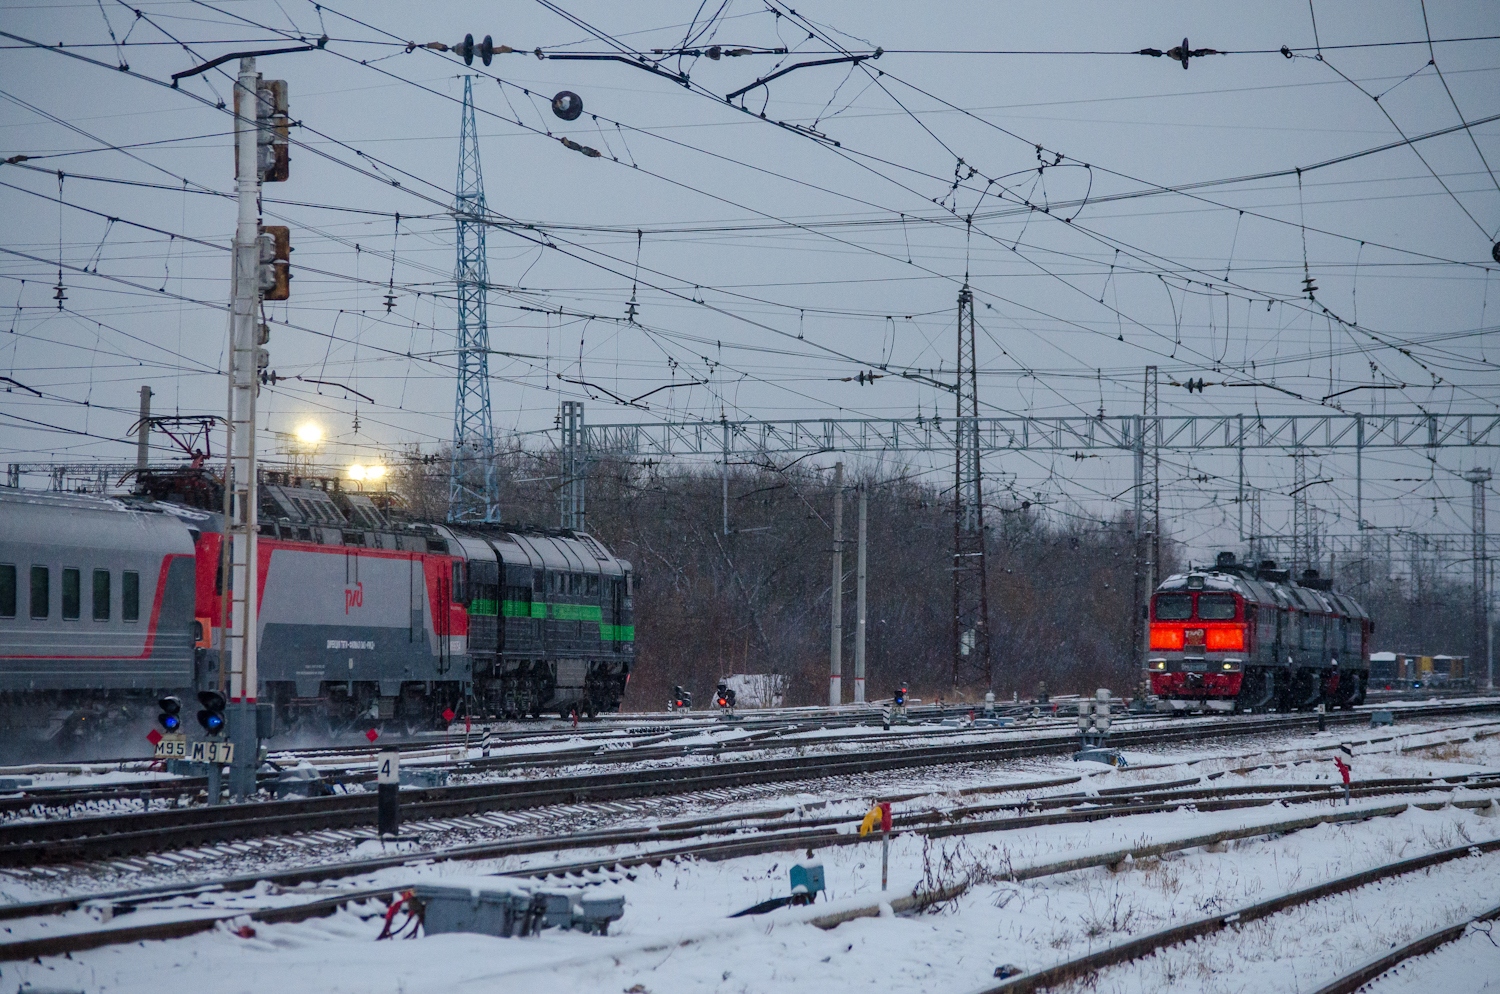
170 718
212 715
900 698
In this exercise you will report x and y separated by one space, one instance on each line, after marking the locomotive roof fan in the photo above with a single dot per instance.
567 105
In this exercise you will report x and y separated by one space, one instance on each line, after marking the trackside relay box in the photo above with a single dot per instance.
505 907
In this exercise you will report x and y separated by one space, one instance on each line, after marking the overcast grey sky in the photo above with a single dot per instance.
768 265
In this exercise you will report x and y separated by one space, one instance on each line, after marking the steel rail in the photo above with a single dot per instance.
779 841
1145 945
1358 977
71 839
1119 797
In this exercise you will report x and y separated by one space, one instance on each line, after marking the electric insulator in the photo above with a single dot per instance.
567 105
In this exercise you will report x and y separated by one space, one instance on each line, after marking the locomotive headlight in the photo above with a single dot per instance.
374 472
356 472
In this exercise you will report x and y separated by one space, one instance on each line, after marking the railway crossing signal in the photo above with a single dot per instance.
212 715
170 718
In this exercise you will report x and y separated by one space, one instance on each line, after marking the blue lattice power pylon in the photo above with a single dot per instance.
472 492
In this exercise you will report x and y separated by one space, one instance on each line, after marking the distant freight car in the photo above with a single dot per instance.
106 604
1239 637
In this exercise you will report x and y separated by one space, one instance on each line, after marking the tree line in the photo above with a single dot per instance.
758 599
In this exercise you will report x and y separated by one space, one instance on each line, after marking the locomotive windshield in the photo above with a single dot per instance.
1174 607
1216 607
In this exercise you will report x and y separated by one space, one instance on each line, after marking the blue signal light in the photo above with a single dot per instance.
170 717
212 721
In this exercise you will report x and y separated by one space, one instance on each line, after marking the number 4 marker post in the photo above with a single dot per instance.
388 778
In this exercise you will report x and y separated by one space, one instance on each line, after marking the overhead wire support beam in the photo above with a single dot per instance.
856 59
211 63
680 78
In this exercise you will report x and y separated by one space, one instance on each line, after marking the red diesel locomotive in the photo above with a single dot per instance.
1242 637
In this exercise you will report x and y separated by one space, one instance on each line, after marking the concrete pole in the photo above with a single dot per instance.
243 524
1359 504
1142 598
1479 479
143 440
859 604
1489 631
1240 502
836 639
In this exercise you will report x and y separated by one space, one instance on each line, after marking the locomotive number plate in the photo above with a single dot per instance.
172 746
212 752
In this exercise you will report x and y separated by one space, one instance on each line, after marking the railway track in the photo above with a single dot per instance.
730 836
355 766
1378 967
1089 968
32 843
179 792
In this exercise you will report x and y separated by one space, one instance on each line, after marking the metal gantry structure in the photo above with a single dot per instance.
1142 437
472 490
971 629
1066 435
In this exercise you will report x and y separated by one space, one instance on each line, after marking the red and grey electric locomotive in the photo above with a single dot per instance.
107 604
1238 637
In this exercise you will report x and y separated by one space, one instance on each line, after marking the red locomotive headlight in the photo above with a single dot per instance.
1166 636
1226 639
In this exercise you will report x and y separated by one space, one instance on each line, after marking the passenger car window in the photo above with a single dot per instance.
101 595
130 596
71 594
7 590
41 591
1174 607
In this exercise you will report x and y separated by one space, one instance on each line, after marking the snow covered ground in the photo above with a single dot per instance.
676 935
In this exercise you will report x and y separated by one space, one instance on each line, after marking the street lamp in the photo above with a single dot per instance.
366 474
